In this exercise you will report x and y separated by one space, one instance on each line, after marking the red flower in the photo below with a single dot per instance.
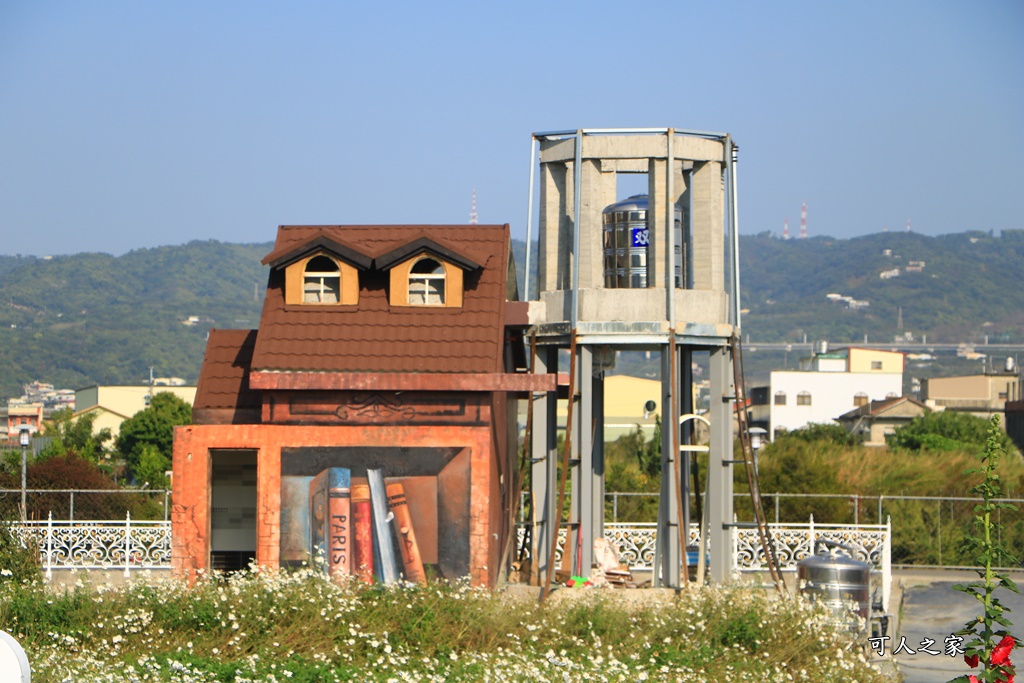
972 660
1005 680
972 678
1001 652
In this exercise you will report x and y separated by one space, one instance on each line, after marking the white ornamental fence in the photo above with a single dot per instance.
870 543
127 544
131 545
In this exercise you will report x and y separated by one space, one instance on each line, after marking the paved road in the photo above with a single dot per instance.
933 610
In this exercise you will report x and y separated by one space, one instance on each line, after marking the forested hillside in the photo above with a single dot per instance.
95 318
967 289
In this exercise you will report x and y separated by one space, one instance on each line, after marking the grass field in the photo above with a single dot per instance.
297 626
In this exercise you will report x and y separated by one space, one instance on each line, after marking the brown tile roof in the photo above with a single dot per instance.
224 377
373 336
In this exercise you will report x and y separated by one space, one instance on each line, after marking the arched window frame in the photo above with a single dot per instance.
321 286
401 276
780 398
860 399
803 398
427 288
296 272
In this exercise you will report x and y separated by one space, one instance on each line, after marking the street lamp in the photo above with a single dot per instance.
757 435
24 437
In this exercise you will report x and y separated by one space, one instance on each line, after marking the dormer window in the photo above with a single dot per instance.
321 281
425 272
427 283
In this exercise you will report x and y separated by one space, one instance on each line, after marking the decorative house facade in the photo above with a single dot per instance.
391 347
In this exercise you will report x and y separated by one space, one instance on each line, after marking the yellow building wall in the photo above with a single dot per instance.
861 360
112 402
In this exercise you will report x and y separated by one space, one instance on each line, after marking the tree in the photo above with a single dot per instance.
72 435
153 426
947 430
152 467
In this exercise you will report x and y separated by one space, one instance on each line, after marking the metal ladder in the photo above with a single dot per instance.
763 533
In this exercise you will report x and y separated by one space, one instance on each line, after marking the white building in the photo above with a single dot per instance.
825 387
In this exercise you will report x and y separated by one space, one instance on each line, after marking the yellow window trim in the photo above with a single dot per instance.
400 283
294 276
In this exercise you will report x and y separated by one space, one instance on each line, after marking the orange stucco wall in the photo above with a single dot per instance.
192 467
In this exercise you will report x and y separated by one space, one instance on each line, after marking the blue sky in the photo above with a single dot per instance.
136 124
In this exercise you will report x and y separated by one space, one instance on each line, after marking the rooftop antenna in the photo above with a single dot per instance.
785 229
473 218
899 319
803 221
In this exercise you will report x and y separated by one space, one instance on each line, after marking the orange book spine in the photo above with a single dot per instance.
406 537
362 532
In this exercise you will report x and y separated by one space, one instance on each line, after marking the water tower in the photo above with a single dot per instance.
655 272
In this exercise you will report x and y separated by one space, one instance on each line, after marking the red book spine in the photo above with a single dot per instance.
362 523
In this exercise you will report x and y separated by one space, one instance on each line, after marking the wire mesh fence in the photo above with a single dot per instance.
86 505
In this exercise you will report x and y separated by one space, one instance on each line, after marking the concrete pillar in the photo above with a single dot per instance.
268 504
555 229
597 476
668 552
588 477
719 500
543 455
708 218
190 513
658 213
598 191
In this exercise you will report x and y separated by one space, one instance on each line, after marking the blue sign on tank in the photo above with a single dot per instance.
641 237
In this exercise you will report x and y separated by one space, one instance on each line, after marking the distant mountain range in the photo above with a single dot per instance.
99 319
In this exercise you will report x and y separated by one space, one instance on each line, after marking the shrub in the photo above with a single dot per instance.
946 431
18 563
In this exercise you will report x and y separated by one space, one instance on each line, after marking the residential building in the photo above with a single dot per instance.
982 395
827 385
112 405
873 421
21 415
